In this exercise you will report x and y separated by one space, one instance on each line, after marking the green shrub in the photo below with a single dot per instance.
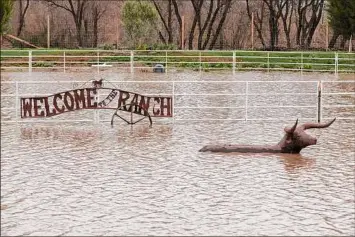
307 66
42 64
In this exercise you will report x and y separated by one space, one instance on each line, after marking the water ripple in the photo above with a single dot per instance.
90 179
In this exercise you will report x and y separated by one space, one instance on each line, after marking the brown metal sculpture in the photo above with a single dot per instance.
293 141
97 83
131 106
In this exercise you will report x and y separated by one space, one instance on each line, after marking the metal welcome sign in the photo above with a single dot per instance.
88 98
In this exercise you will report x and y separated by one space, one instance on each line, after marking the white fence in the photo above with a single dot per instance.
206 100
144 60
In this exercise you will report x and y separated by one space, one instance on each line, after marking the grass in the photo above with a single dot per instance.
306 60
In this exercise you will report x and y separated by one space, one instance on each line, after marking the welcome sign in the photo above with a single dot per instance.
96 98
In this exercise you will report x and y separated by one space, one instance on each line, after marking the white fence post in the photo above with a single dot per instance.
64 61
16 103
234 62
166 61
336 64
246 101
30 61
200 61
98 62
132 58
301 62
268 61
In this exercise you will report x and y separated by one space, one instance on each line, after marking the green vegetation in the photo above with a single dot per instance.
139 19
196 60
6 7
342 17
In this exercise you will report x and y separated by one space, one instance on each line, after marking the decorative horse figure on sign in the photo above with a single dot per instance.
97 83
294 140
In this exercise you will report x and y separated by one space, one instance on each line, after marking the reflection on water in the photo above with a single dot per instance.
92 179
294 162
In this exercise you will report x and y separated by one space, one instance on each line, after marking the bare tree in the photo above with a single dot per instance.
258 22
197 4
212 23
166 22
309 14
178 17
97 11
286 11
21 16
165 11
76 8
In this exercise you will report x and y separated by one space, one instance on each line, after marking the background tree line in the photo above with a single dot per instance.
206 24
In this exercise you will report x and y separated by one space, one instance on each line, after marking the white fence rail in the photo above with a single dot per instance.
208 100
144 60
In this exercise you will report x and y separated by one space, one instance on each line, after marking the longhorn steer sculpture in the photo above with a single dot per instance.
293 141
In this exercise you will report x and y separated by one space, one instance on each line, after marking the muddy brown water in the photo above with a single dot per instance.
83 178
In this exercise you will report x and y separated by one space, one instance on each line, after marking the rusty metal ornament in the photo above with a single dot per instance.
87 98
132 105
294 140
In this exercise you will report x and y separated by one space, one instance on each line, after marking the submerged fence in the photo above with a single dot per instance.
206 100
145 60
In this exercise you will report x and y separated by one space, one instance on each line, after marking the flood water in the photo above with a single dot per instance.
84 178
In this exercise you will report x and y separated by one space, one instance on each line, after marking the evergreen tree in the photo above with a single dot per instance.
5 14
139 19
342 17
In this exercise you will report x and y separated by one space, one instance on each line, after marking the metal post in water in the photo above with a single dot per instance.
234 62
173 102
246 101
30 61
16 103
97 111
319 104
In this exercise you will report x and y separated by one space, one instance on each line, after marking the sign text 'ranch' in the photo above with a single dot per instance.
87 98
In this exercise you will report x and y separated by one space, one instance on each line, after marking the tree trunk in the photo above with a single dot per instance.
220 25
95 31
342 43
259 21
273 29
22 15
178 16
192 32
170 35
333 40
78 34
202 29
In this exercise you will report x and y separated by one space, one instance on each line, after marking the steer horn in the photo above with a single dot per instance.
316 125
292 129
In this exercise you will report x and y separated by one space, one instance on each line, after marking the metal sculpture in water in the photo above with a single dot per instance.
293 141
86 97
97 83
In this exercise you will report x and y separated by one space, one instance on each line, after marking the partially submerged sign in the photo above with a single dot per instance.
96 97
